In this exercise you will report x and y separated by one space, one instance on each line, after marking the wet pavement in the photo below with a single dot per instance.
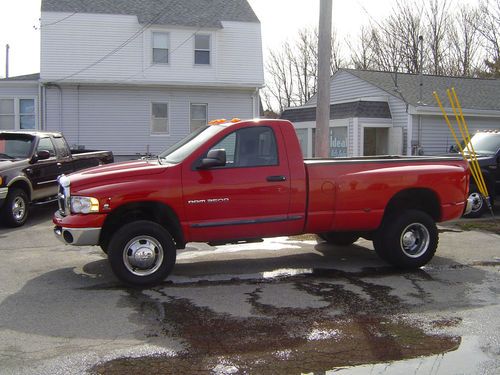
283 306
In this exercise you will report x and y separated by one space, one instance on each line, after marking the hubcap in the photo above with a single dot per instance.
18 208
415 240
477 201
143 255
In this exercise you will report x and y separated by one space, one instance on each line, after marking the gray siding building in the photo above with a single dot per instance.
376 113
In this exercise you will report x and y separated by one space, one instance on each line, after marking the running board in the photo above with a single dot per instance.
47 201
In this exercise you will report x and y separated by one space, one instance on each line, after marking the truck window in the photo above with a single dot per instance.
46 144
61 147
15 146
250 147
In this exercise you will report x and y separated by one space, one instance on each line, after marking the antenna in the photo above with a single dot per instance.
421 77
7 47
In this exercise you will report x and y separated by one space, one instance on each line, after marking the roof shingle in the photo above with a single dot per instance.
196 13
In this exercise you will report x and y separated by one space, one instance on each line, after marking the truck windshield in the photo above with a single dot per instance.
485 143
184 148
15 146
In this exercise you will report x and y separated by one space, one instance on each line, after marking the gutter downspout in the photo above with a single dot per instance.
51 84
41 111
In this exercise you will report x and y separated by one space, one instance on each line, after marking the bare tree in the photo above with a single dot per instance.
489 28
464 43
292 70
363 54
438 19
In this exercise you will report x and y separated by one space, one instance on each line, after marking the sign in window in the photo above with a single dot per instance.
338 141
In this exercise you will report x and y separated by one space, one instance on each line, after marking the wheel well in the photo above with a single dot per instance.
153 211
23 185
424 200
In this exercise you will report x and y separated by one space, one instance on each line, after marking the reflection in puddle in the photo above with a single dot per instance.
345 329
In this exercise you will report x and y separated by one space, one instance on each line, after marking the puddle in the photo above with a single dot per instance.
348 326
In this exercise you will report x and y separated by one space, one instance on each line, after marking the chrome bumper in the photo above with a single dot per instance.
78 236
468 205
3 192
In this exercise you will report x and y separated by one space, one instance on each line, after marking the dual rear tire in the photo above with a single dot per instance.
407 240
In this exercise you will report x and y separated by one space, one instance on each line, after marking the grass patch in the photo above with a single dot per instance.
487 226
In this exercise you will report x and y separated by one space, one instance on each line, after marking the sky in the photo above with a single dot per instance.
280 20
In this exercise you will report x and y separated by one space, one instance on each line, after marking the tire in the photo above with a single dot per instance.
408 240
149 240
479 207
339 238
15 208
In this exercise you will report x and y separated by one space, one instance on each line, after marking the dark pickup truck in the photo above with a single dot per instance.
30 163
486 144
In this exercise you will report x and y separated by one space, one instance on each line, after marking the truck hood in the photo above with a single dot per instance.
115 172
6 165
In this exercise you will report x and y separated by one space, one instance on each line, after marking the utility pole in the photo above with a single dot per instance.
322 142
7 47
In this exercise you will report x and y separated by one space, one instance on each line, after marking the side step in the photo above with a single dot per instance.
45 201
235 242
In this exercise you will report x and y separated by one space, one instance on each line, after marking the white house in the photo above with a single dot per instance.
136 77
376 113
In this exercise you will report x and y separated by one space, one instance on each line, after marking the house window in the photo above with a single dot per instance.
202 49
198 116
26 113
159 118
7 114
160 48
17 114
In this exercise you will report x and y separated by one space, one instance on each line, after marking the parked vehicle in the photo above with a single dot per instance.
30 163
232 183
486 144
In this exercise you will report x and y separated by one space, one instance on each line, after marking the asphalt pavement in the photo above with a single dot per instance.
283 306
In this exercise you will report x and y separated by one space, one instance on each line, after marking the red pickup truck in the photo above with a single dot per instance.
239 182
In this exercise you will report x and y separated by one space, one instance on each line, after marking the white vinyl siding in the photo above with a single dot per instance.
159 118
202 48
199 115
83 48
119 118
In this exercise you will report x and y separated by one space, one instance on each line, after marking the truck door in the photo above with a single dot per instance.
247 198
43 173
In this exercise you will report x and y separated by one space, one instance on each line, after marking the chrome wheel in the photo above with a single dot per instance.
415 240
18 208
477 202
143 255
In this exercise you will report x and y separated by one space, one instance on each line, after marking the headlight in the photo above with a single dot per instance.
84 205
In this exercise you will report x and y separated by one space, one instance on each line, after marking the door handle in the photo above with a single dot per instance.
276 178
59 164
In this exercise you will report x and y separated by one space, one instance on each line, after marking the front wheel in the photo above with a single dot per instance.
15 209
407 240
141 253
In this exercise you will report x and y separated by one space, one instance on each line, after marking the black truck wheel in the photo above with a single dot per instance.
479 205
141 253
15 208
407 240
339 238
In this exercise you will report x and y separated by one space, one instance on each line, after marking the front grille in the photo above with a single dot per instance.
61 200
63 195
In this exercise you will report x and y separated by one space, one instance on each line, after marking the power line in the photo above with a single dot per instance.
121 46
55 22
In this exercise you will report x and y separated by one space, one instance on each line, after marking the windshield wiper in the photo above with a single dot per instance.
5 156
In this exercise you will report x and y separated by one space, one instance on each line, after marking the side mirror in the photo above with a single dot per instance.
40 155
215 158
